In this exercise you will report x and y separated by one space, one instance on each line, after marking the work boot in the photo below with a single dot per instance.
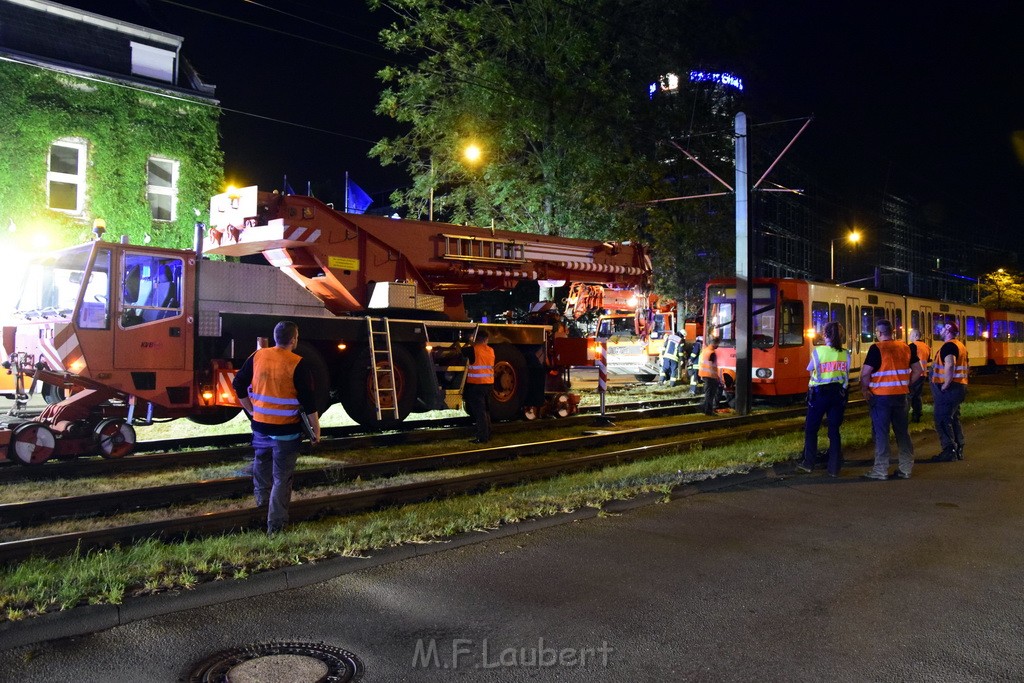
948 455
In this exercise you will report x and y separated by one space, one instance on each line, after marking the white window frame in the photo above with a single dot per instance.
76 179
160 190
153 62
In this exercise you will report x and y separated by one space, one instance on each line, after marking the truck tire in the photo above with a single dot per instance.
510 382
53 394
356 389
321 375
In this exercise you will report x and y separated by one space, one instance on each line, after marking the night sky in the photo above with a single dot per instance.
907 97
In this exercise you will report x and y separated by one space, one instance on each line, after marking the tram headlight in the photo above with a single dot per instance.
763 373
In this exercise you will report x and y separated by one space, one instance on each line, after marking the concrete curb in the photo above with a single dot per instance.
93 618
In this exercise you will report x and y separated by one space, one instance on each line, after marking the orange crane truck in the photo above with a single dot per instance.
119 334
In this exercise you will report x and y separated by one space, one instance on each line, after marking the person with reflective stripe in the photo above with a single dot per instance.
693 364
949 389
479 385
275 387
708 371
889 369
670 353
827 395
923 355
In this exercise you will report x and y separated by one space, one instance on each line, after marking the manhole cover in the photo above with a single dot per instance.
281 663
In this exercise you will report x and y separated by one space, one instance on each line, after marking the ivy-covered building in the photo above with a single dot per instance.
102 120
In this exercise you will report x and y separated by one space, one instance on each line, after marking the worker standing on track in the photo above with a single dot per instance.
275 387
709 375
670 354
923 354
693 364
479 385
949 389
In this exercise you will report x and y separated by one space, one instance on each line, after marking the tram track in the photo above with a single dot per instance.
664 439
207 450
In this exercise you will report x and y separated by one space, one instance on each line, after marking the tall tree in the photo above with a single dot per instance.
1002 289
552 91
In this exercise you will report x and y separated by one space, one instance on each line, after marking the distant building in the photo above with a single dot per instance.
103 119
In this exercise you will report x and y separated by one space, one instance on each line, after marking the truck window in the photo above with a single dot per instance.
150 289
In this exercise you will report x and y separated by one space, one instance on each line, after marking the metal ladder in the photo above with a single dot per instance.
464 247
379 338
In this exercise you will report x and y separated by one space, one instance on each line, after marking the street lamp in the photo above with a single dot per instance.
852 237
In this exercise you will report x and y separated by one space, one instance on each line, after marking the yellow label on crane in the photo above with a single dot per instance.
342 263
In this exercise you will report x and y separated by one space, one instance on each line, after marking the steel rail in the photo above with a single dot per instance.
340 437
24 513
251 517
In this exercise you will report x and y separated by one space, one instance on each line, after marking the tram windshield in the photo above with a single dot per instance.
721 316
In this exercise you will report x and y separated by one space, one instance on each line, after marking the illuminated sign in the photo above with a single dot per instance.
670 82
719 78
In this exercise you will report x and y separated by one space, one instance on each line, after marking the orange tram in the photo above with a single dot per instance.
789 316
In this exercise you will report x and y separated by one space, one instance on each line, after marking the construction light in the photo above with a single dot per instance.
77 366
207 395
342 346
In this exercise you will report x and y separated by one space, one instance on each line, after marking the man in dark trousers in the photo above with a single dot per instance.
708 371
273 386
889 368
479 384
949 388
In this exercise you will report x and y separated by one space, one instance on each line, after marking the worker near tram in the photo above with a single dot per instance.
708 371
826 396
923 354
479 384
693 364
275 386
671 351
889 369
949 389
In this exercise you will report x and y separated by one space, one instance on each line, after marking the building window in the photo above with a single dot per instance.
152 62
162 188
65 178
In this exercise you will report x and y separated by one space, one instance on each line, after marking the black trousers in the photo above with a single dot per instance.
475 398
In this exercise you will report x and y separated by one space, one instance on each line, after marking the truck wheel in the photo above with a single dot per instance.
32 443
217 416
53 394
509 383
321 376
115 438
357 395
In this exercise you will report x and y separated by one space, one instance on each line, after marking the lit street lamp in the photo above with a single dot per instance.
852 237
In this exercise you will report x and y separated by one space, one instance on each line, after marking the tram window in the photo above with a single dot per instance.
982 328
791 332
819 317
867 325
1013 334
838 314
969 330
915 321
897 323
998 330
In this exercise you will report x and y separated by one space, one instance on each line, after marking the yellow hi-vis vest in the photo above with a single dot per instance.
961 365
893 378
273 395
831 366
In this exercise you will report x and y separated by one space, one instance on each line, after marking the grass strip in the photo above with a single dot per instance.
41 585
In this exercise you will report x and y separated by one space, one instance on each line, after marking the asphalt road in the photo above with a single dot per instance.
799 578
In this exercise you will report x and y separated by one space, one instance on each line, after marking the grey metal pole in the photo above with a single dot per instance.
743 262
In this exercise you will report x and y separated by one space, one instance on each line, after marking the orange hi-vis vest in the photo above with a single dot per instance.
924 354
273 395
482 369
893 378
707 368
961 365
